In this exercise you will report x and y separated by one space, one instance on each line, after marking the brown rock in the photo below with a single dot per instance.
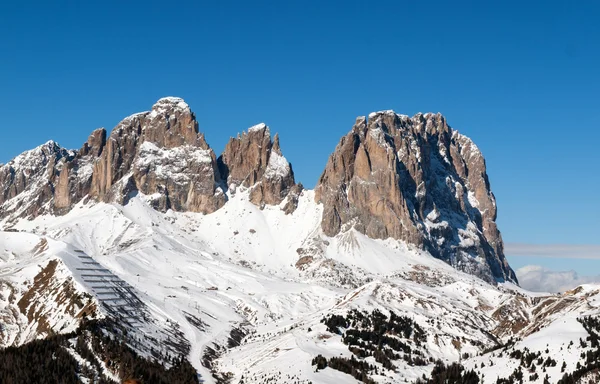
292 199
416 180
62 196
164 155
74 178
26 182
159 153
172 124
95 143
254 161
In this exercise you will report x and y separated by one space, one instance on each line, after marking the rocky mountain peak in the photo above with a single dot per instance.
246 156
417 180
171 103
260 127
171 123
160 153
254 161
26 180
49 149
276 146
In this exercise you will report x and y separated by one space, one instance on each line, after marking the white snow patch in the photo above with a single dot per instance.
257 127
278 166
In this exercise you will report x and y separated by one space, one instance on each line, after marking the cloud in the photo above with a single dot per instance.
540 279
563 251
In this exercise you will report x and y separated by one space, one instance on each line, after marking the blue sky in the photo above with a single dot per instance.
520 78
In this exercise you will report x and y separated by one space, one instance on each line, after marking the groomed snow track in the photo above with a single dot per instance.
112 292
121 303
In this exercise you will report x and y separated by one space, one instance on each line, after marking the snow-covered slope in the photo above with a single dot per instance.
230 291
39 293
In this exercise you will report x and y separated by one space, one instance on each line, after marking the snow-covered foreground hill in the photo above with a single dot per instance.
251 295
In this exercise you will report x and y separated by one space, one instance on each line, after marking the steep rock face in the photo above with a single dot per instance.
27 182
417 180
95 143
160 153
74 180
255 161
49 178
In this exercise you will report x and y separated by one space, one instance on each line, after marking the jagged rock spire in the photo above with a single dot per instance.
254 161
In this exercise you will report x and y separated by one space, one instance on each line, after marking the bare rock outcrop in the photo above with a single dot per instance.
160 153
254 161
73 180
27 181
94 144
417 180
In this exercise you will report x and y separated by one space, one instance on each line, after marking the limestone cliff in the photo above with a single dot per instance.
417 180
255 161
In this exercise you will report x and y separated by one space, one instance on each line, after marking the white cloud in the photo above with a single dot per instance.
565 251
540 279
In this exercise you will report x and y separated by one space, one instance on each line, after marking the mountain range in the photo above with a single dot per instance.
391 270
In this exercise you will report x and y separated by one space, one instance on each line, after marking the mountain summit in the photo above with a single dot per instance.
160 153
418 180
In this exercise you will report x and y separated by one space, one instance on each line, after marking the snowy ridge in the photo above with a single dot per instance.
39 294
30 172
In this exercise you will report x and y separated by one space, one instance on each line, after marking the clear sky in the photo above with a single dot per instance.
522 79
